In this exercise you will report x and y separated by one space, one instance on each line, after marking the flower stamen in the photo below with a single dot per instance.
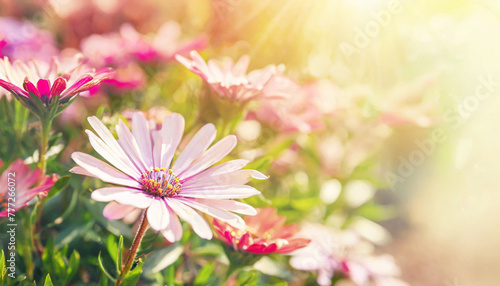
160 182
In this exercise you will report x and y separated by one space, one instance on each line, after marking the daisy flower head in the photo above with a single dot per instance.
332 251
18 181
266 233
46 88
231 81
146 175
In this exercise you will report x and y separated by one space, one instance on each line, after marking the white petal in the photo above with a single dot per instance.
99 169
140 130
173 232
123 163
114 211
220 192
158 215
200 142
124 196
109 140
129 144
222 215
230 205
213 155
223 168
171 132
199 225
238 177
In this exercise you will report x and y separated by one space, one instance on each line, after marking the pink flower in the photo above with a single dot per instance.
46 81
21 40
149 179
266 233
230 80
164 45
344 252
24 184
301 112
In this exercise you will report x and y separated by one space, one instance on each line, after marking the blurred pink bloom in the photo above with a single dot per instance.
332 251
25 183
154 115
21 40
164 45
230 80
302 112
49 80
142 160
266 233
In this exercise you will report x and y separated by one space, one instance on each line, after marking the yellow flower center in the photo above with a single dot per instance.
160 182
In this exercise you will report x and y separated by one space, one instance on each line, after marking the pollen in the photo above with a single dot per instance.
160 182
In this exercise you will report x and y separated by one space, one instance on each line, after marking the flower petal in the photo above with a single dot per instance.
213 155
227 217
220 192
99 169
58 86
114 211
199 225
130 147
200 142
230 205
173 232
140 130
158 215
171 134
238 177
124 196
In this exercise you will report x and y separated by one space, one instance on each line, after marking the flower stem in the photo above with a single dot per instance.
44 143
133 249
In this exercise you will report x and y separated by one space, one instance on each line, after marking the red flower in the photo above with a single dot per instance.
266 233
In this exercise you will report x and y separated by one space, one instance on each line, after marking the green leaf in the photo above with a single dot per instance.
3 270
204 275
61 183
119 255
103 269
134 275
48 281
163 258
248 278
74 262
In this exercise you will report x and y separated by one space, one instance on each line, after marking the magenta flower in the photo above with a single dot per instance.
21 40
332 251
37 84
230 80
266 233
164 45
24 183
148 178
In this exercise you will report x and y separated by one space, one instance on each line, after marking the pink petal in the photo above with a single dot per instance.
158 215
173 232
171 133
43 86
239 177
114 211
199 225
213 155
58 86
99 169
13 88
229 218
200 142
30 87
124 196
220 192
72 90
140 130
130 147
223 168
229 205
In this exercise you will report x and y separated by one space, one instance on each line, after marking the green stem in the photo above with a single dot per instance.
133 249
44 143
